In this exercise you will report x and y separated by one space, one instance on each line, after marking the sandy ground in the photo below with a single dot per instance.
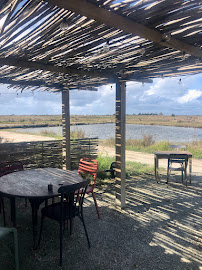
21 137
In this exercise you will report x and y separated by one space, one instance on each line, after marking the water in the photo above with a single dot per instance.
105 131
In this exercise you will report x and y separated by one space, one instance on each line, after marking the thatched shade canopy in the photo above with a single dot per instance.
79 44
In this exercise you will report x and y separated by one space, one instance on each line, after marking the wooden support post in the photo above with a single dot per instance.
66 130
120 142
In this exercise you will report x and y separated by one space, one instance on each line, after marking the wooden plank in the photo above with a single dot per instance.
120 143
112 19
48 67
30 83
66 130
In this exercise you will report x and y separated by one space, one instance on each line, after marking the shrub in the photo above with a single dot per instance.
78 134
104 163
147 140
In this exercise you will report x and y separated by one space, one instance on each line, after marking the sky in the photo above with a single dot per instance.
177 95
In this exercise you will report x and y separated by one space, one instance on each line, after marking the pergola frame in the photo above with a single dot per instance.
105 42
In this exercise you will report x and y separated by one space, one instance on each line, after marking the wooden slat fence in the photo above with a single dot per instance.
42 154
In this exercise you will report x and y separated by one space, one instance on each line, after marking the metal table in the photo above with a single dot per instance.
171 154
33 185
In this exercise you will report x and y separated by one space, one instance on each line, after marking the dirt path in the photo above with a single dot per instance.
147 158
21 137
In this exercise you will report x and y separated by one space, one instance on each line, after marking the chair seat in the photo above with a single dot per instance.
53 211
4 231
177 161
177 169
88 190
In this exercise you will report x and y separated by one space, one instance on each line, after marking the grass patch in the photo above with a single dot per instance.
137 168
132 168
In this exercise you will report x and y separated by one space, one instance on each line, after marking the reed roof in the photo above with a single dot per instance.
83 44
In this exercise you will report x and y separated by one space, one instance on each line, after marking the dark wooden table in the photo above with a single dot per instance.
33 184
171 154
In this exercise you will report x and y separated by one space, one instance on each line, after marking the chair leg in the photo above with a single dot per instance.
3 210
84 225
168 171
185 175
95 201
167 175
41 228
25 202
16 249
70 226
61 232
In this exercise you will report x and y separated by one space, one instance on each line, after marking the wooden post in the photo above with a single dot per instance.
66 130
120 142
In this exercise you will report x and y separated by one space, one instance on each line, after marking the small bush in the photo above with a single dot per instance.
47 133
78 134
147 140
104 163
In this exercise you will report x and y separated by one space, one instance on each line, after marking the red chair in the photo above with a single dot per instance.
6 168
10 166
89 166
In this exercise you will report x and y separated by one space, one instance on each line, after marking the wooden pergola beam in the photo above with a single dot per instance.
39 83
66 130
120 143
48 67
117 21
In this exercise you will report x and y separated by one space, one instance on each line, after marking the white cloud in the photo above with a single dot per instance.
190 96
167 87
163 95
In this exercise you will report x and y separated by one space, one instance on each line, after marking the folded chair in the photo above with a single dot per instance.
6 168
3 232
70 206
178 163
89 166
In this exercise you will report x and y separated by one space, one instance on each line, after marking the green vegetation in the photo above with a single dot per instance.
148 145
13 121
132 168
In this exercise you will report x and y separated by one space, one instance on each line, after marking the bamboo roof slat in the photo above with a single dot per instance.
137 40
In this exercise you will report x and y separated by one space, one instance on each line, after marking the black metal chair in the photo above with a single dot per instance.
177 163
6 168
69 207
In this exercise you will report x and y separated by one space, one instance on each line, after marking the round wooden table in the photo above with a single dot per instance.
33 184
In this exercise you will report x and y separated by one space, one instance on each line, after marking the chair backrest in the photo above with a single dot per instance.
69 193
178 147
88 166
10 166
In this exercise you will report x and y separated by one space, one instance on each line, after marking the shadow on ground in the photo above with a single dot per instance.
159 229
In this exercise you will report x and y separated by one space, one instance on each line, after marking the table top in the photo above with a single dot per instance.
172 153
34 183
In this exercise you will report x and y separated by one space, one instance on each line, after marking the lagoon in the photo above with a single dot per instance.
105 131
